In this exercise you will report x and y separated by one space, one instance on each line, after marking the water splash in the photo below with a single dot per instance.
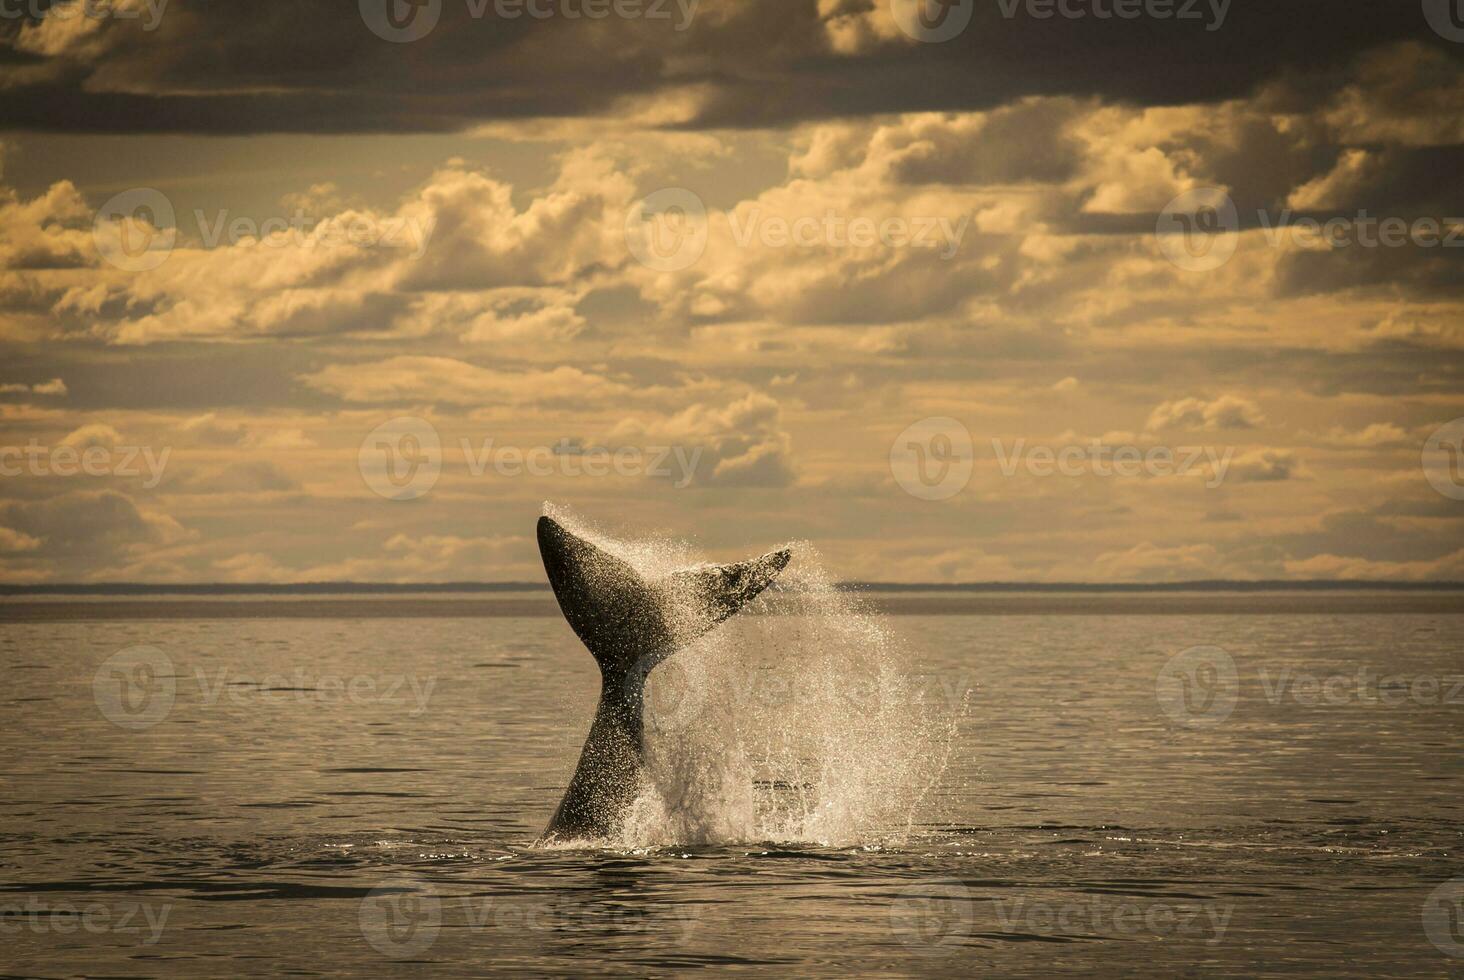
794 721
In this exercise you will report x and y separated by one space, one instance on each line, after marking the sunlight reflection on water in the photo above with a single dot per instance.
337 796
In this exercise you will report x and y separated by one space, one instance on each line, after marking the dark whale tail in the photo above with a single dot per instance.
627 621
630 624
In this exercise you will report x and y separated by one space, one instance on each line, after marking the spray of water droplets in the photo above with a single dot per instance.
794 721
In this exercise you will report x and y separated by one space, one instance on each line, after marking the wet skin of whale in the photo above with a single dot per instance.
630 625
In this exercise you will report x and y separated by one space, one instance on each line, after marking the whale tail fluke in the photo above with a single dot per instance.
627 621
708 594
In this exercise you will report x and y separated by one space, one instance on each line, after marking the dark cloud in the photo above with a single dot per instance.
1362 535
1421 272
1018 143
278 66
87 524
254 476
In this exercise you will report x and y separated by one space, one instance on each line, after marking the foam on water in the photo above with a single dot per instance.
794 721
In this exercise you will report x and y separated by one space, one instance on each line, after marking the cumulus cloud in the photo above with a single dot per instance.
52 231
741 444
1225 412
211 430
89 525
55 387
240 478
1264 466
261 356
755 62
1147 562
95 434
12 540
401 558
409 379
1449 567
1372 436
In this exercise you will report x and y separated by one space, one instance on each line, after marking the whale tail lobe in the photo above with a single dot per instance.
627 621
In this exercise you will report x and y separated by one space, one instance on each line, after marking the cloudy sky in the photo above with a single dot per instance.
996 290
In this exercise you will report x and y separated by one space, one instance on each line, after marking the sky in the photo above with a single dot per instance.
969 290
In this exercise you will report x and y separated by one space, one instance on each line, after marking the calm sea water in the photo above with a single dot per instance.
1126 793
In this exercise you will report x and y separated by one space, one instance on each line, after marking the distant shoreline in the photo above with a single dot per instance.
459 588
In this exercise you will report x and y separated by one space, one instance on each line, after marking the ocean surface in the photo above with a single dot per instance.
1182 785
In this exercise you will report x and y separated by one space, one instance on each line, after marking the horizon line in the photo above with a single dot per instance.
409 588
